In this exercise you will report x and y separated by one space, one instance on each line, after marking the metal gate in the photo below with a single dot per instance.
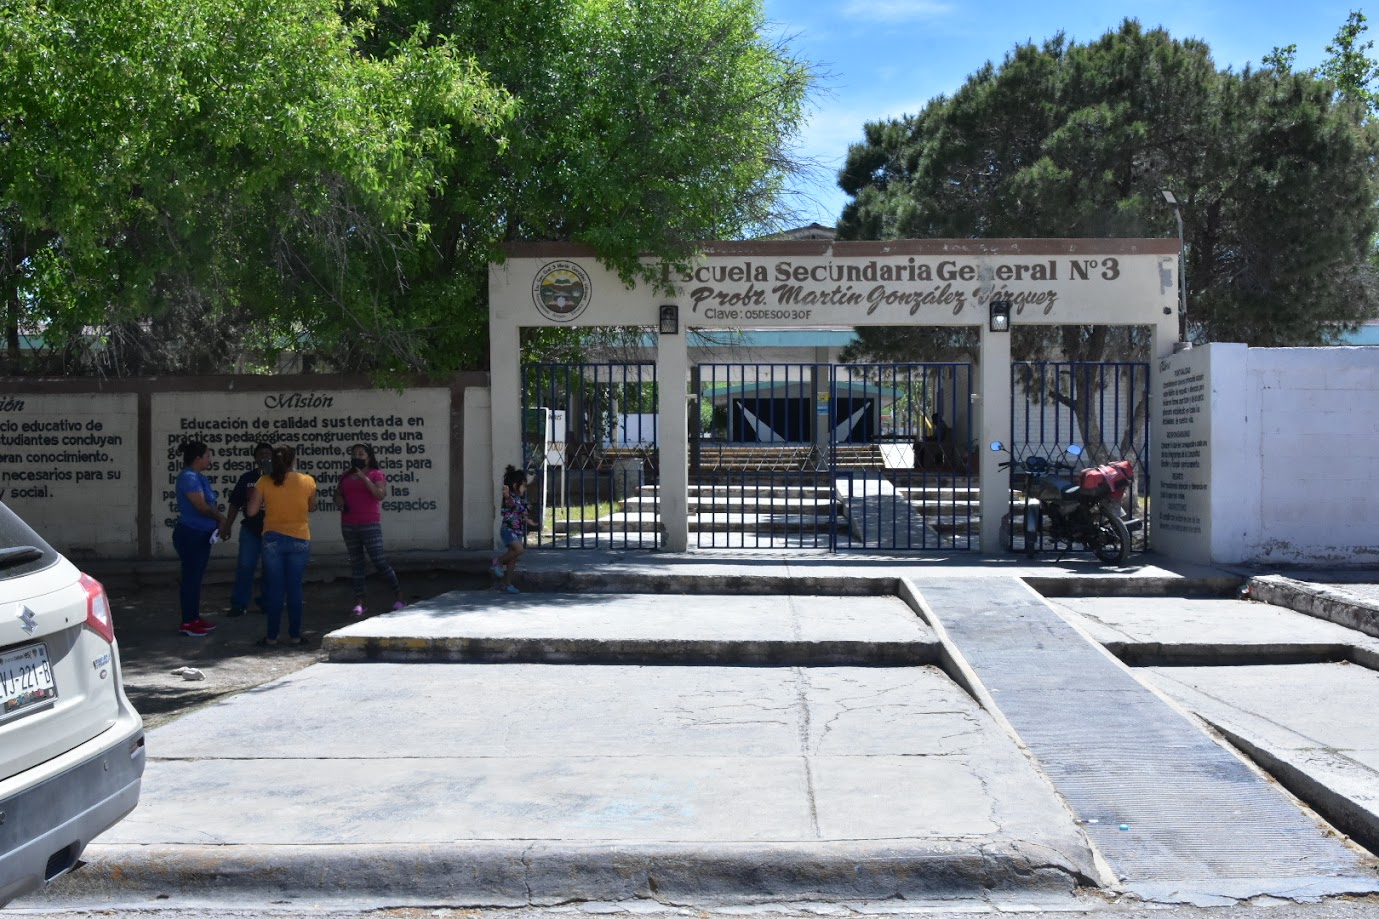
820 456
1103 406
831 456
590 440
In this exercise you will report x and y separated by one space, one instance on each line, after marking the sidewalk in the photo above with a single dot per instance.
604 751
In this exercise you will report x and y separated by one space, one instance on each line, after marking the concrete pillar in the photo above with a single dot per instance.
505 374
672 434
820 393
993 423
1163 343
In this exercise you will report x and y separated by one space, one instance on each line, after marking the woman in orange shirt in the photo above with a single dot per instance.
287 497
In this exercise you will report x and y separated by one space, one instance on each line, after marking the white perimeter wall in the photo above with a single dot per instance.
92 470
1272 459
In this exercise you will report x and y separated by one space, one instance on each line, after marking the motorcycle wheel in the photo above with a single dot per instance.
1031 530
1112 536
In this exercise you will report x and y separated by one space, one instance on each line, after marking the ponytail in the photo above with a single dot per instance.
283 458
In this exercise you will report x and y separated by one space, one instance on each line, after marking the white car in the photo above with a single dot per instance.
71 745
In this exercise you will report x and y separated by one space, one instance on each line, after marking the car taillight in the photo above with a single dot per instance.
98 609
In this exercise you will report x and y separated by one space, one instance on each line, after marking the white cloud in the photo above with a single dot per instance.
897 10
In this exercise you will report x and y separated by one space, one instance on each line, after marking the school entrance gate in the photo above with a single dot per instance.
703 414
781 455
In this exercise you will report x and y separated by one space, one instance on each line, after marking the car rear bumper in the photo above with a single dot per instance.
44 828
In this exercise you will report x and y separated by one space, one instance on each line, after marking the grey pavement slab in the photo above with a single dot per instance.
514 784
1312 726
645 628
1176 815
1185 630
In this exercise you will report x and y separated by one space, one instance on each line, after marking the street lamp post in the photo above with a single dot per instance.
1182 267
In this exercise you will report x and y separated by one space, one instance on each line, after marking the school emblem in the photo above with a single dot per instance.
561 291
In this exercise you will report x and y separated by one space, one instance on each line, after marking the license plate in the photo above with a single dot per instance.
26 679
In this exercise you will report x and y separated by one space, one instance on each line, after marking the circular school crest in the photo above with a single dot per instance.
561 291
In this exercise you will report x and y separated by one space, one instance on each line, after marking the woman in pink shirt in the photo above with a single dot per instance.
359 495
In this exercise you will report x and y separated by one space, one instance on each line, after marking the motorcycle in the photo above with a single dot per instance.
1080 507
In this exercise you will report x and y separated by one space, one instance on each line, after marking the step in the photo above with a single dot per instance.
643 629
735 506
796 493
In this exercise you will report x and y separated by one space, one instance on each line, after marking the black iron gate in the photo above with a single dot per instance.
1103 406
820 456
590 440
834 456
908 480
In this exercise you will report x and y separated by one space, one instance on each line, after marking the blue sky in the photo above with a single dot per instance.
886 58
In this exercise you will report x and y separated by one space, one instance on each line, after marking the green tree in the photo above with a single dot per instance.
184 182
1274 171
642 127
1350 66
181 178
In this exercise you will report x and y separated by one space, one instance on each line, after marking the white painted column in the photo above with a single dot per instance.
993 423
1163 339
672 435
823 423
505 376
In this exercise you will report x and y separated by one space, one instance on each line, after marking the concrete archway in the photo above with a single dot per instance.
823 283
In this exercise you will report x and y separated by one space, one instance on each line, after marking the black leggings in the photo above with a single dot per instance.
367 538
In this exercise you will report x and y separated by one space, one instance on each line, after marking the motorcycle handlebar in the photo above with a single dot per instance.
1051 467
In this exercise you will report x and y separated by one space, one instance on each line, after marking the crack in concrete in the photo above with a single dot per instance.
527 870
802 695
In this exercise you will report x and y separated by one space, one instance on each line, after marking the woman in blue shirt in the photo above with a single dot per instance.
198 520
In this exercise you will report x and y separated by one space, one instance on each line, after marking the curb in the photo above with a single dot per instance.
543 874
1133 586
859 585
661 652
1219 654
1351 817
638 582
1321 602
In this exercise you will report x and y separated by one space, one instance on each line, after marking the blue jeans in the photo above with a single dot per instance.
284 565
250 546
194 549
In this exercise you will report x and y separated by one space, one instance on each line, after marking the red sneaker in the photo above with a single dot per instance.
203 625
193 629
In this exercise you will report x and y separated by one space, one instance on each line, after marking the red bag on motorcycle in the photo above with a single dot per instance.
1108 481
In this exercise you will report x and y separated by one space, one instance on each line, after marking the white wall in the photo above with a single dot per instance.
1318 442
481 483
1267 455
91 464
69 465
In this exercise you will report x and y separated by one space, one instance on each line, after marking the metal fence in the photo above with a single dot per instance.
1103 406
843 457
782 455
590 438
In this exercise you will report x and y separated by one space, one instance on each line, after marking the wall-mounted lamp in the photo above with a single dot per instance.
1172 201
670 319
1000 315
